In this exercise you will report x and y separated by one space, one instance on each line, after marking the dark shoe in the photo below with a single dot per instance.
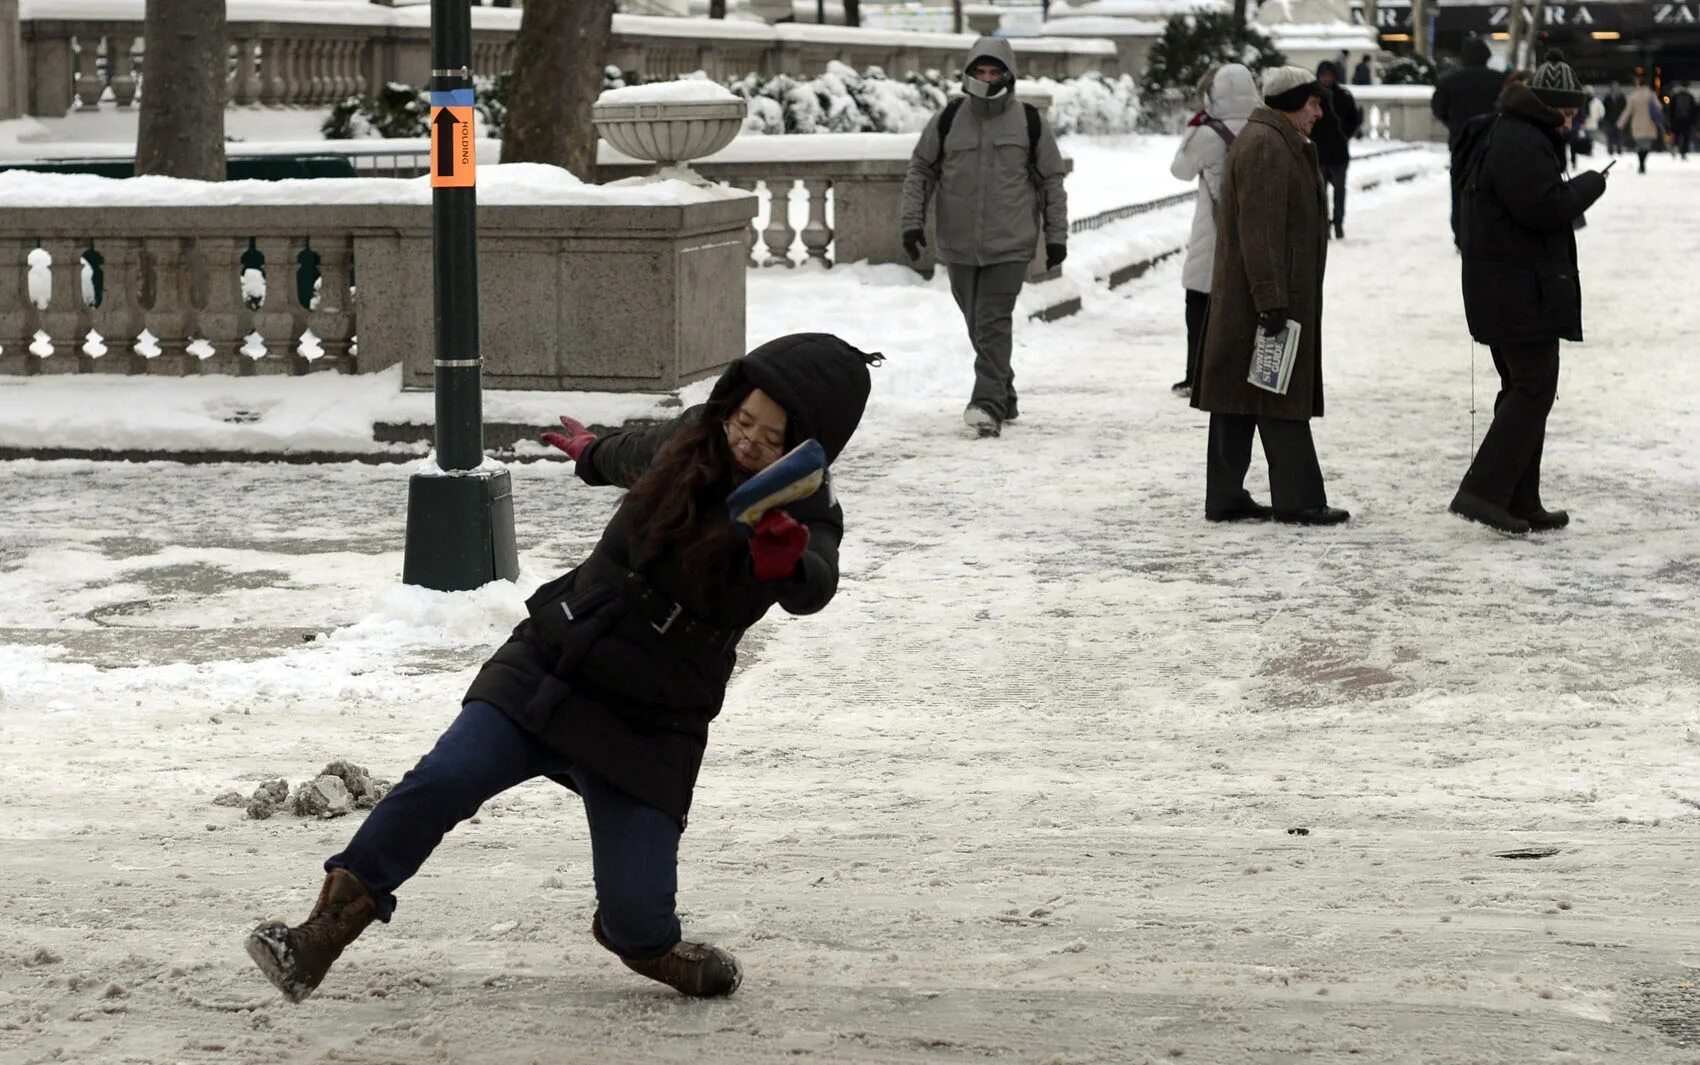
1250 510
1544 520
1312 516
1012 410
981 420
1475 508
1340 230
695 969
1181 388
296 959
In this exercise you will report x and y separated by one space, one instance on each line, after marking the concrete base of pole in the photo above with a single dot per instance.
460 530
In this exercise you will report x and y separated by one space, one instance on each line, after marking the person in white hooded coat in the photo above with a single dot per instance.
1230 95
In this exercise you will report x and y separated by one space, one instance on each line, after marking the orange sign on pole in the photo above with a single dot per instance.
454 163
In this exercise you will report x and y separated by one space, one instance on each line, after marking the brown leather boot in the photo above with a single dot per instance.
296 959
696 969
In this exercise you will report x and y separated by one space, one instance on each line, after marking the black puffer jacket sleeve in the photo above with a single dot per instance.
1524 174
621 458
816 580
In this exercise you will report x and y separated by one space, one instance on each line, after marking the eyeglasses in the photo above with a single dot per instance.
739 438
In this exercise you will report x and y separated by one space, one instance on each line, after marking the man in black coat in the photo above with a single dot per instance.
1462 95
1682 115
1615 102
1339 123
1521 290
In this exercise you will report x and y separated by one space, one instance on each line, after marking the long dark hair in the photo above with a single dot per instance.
679 502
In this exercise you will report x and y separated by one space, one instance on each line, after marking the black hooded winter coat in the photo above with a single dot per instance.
1341 118
1469 91
589 672
1517 217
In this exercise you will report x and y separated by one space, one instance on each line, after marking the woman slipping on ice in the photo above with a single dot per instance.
609 684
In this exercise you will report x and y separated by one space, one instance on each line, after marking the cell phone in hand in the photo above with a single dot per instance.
1608 166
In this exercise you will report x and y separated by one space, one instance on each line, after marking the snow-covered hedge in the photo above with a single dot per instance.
838 101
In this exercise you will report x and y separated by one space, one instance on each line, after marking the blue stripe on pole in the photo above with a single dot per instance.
451 98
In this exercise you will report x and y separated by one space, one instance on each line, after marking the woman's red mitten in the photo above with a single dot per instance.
777 546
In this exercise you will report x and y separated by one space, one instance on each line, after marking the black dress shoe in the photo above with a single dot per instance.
1544 520
1250 510
1494 516
1312 516
1181 388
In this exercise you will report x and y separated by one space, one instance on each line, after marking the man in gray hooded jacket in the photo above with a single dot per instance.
999 177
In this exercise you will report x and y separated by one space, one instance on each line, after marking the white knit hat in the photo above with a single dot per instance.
1287 88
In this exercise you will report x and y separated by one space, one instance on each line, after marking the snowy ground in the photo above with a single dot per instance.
1025 792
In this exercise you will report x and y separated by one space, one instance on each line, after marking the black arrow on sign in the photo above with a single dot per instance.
445 123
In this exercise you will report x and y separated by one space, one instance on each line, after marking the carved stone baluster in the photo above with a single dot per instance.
118 315
817 234
17 318
274 53
89 83
218 263
274 321
779 233
752 236
121 59
290 51
332 321
65 320
318 71
344 57
168 317
362 59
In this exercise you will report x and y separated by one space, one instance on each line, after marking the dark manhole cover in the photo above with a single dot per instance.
1672 1005
1527 852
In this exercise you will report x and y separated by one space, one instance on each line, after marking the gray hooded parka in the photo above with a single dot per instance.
991 203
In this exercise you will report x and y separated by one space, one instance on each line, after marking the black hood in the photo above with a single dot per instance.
821 381
1331 67
1476 52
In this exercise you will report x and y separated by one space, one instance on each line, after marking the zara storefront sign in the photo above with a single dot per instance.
1487 18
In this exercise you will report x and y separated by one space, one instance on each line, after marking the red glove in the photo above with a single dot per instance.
576 439
777 546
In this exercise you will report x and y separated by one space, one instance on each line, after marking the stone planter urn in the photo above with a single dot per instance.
670 123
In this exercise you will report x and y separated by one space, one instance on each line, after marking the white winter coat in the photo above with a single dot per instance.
1596 113
1203 154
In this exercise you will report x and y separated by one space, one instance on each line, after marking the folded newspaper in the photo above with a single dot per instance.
1272 358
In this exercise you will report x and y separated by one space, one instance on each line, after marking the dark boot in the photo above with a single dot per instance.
1312 516
296 959
696 969
1475 508
1543 520
1250 510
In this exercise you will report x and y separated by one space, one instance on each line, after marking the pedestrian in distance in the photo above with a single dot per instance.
609 684
1340 121
1615 103
1230 96
1362 74
1271 250
1681 113
990 165
1522 292
1465 93
1641 118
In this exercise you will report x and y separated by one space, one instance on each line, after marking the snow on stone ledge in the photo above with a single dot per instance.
506 184
687 90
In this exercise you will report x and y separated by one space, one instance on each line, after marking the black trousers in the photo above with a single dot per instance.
1295 477
1335 175
1197 309
1507 467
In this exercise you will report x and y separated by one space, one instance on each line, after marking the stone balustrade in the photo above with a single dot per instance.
291 289
843 194
1399 112
78 62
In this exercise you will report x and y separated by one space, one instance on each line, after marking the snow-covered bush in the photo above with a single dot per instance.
1408 70
403 111
1190 46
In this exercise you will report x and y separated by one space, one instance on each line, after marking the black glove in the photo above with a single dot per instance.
1273 321
1054 255
913 241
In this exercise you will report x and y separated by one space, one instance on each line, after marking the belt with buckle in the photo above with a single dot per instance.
671 620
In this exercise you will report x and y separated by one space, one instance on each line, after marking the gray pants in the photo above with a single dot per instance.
986 295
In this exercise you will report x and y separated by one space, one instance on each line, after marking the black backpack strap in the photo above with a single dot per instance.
1033 126
946 117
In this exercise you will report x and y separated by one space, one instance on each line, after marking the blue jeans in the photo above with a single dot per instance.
634 847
